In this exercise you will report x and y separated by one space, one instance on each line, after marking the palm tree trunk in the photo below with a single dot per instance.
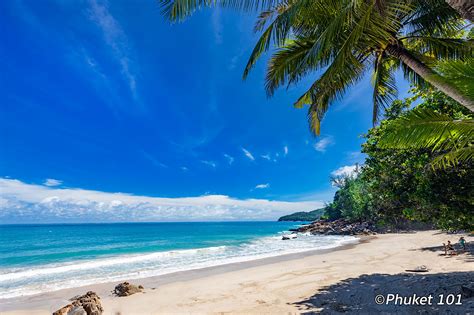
429 75
465 8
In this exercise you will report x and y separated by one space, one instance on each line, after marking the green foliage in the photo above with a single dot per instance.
351 201
426 128
397 185
303 216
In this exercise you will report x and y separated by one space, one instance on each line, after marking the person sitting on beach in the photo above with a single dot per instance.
462 242
448 249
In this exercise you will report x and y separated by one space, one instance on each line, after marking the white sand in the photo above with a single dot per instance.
287 286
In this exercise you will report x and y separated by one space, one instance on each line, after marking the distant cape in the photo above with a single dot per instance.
303 216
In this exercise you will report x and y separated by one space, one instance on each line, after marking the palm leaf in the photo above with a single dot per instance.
177 10
425 128
459 73
385 88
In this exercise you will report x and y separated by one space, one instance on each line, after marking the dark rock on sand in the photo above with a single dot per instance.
338 227
87 304
126 289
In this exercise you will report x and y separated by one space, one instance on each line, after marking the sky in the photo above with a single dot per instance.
111 113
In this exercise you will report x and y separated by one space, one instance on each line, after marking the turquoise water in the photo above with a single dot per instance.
42 258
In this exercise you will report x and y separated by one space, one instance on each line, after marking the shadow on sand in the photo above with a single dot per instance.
357 295
467 254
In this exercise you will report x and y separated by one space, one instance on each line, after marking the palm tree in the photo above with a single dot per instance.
344 39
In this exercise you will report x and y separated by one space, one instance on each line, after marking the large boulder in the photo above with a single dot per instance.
338 227
87 304
126 289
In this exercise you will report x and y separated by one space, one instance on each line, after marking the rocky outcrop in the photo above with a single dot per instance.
126 289
87 304
338 227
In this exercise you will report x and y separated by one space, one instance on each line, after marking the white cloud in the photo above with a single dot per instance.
323 143
184 168
26 203
209 163
262 186
285 149
266 157
52 182
116 39
248 154
230 159
347 170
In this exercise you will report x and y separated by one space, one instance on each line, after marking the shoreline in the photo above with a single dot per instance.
290 283
104 288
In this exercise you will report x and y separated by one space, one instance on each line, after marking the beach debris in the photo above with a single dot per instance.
126 289
87 304
421 268
289 236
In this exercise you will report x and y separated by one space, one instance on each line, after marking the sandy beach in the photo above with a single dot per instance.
343 280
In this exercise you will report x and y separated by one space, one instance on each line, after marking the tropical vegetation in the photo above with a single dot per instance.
303 216
399 185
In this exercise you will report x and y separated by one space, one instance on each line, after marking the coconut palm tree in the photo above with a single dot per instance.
343 39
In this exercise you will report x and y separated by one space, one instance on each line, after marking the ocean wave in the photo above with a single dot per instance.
28 281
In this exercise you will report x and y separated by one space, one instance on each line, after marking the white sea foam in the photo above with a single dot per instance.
27 281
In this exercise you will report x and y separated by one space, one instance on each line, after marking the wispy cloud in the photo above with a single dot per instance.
209 163
248 154
230 159
184 168
117 40
262 186
285 150
266 157
323 143
22 202
153 160
50 182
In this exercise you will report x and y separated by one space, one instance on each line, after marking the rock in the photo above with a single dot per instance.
87 304
338 227
64 310
126 289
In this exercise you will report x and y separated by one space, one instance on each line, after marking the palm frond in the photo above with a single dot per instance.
385 88
440 48
429 17
286 62
453 158
177 10
459 73
331 86
423 128
277 31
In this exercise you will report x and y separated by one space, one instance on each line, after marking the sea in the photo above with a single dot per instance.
43 258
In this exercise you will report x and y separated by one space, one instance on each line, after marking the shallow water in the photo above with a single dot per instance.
43 258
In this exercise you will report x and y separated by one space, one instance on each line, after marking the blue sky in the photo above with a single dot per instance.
108 97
